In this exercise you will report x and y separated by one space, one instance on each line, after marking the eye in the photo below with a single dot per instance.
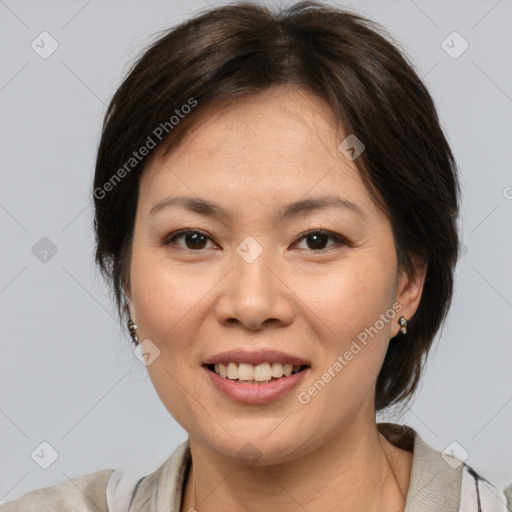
319 237
194 240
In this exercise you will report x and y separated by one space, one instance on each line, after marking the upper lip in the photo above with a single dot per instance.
255 358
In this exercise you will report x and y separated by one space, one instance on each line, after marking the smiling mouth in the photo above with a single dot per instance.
264 373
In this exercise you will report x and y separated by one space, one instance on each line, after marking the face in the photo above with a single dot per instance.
320 284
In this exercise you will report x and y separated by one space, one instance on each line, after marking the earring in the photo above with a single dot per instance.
133 331
403 323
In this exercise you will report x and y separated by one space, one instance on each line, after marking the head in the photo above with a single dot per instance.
251 110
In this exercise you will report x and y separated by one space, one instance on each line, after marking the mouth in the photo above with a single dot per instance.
264 373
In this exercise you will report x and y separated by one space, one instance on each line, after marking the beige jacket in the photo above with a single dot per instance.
438 483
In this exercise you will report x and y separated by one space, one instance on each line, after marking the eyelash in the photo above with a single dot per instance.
334 236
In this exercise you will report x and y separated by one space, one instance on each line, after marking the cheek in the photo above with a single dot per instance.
352 336
164 294
165 297
347 298
349 302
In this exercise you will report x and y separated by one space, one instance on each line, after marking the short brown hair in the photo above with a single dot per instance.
350 62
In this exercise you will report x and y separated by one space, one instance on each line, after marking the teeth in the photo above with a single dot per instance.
232 371
277 370
245 371
260 373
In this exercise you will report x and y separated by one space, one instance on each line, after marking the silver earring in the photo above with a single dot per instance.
132 327
403 323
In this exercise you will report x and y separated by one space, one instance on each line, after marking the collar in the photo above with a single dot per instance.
434 484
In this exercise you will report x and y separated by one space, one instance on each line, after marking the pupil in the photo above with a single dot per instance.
319 240
318 244
195 237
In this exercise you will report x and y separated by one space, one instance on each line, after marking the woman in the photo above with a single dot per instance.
276 210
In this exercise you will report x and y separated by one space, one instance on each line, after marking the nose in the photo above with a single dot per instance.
254 294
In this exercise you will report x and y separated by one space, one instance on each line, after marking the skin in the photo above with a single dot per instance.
307 299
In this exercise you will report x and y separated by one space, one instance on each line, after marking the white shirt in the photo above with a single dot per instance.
438 483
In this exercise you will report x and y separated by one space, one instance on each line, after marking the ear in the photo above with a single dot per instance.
132 314
129 301
408 291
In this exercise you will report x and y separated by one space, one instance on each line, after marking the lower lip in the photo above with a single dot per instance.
256 393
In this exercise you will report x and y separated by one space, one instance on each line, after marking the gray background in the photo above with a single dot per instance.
69 377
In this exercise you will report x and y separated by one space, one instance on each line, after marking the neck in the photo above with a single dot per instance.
357 470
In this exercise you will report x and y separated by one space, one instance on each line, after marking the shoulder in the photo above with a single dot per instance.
443 481
86 493
477 490
112 490
507 491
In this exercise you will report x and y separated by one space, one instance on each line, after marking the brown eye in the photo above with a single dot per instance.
194 240
318 239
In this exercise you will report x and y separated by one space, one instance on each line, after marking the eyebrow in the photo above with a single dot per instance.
210 209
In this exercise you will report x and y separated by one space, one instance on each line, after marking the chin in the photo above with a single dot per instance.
262 450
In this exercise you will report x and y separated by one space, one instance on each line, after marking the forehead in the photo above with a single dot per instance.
272 119
279 143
